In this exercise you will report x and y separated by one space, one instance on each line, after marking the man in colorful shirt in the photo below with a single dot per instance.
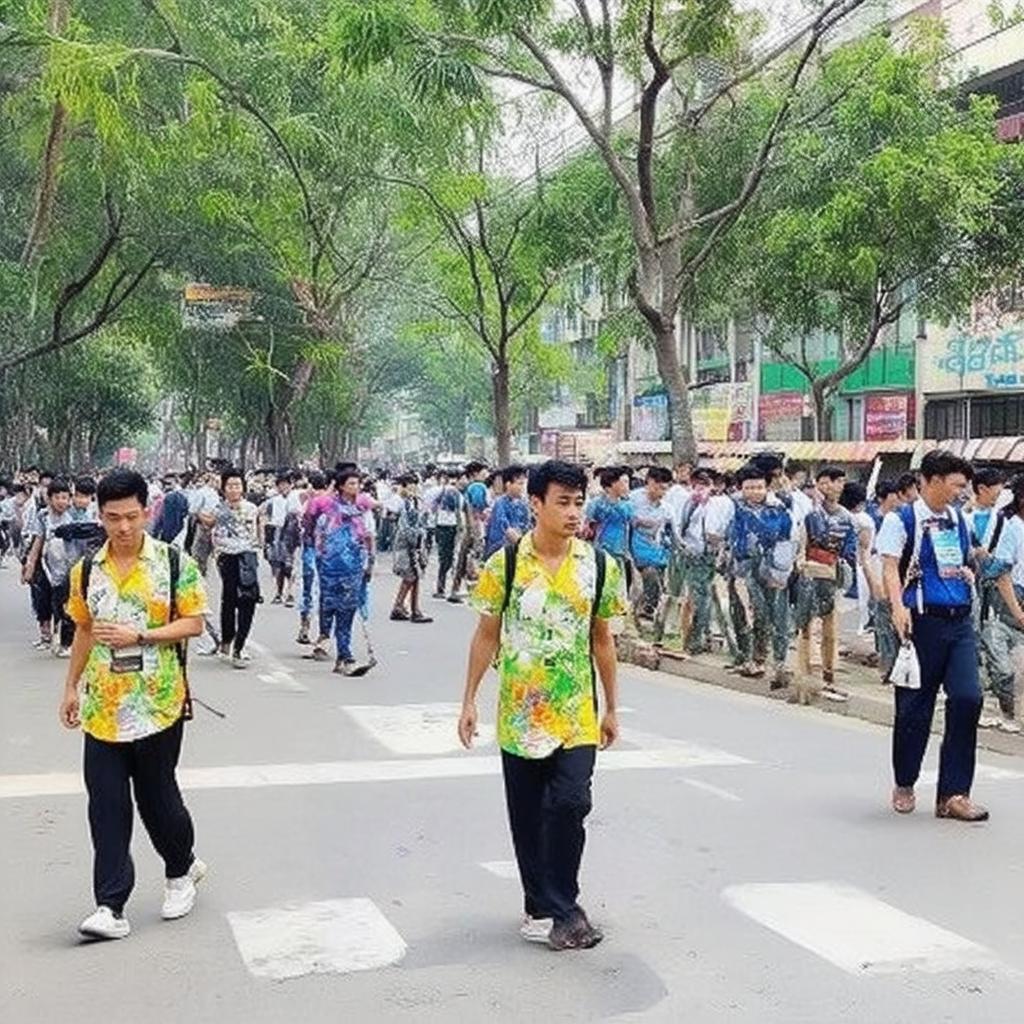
128 650
547 631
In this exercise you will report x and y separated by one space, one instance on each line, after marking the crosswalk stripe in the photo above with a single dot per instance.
326 937
254 776
505 869
855 931
415 728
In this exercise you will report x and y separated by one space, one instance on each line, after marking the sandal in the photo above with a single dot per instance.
903 799
399 615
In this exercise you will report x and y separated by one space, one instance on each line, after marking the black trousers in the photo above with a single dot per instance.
59 593
236 614
445 554
149 765
548 800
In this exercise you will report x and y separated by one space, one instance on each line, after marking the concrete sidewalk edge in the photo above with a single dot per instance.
877 710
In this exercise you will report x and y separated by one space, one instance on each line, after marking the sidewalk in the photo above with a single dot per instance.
870 700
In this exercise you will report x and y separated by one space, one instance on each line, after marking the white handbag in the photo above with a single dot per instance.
906 670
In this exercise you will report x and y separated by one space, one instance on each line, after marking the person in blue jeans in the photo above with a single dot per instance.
926 551
317 488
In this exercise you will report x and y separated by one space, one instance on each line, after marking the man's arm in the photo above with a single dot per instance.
482 650
894 592
865 560
31 559
70 707
607 669
117 635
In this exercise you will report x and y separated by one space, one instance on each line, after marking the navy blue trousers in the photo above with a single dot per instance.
947 651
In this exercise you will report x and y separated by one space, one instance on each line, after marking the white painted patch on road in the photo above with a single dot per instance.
415 729
505 869
326 937
706 787
983 773
256 776
855 931
277 673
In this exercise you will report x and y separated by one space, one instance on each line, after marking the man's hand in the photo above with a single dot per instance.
901 621
26 574
512 535
609 729
70 717
115 635
467 725
968 575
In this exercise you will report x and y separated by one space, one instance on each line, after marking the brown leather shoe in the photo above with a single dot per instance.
960 808
903 799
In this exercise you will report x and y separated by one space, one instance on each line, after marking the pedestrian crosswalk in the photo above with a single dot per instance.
855 931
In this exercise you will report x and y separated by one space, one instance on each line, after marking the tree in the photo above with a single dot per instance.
690 59
906 201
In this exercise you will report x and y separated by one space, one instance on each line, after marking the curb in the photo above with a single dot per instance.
866 709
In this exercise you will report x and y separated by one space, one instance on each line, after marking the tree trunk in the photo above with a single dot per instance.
822 431
502 412
684 442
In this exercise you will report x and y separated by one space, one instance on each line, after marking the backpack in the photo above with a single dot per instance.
601 561
910 560
181 648
450 500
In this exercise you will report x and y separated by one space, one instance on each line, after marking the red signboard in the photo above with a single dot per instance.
885 417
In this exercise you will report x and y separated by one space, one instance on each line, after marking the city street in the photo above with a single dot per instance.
742 859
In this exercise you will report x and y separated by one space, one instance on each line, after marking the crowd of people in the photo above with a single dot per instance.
754 563
758 562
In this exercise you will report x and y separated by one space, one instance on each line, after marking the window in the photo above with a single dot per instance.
711 345
945 418
997 416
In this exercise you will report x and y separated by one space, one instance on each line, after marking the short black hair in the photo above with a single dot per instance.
701 476
659 474
346 473
770 462
58 485
121 484
472 468
752 471
906 481
831 472
47 473
854 494
794 466
230 473
565 474
284 476
884 489
612 473
317 480
512 473
989 476
943 462
85 485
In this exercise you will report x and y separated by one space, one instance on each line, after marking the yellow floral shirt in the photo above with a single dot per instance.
123 706
547 698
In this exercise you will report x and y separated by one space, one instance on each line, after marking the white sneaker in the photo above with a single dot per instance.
101 924
64 652
536 929
180 893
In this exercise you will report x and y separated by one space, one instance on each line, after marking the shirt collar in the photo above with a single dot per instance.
147 554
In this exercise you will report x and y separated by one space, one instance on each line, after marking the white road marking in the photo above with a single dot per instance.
415 728
255 776
706 787
983 772
506 869
278 673
855 931
326 937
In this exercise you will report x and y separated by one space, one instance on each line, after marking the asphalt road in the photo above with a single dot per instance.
741 859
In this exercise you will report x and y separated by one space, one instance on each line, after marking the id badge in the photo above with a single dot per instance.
948 554
127 659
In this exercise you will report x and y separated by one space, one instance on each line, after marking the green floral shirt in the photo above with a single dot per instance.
547 698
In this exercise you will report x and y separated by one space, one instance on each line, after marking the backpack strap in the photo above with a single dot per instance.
601 560
86 575
174 560
511 558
